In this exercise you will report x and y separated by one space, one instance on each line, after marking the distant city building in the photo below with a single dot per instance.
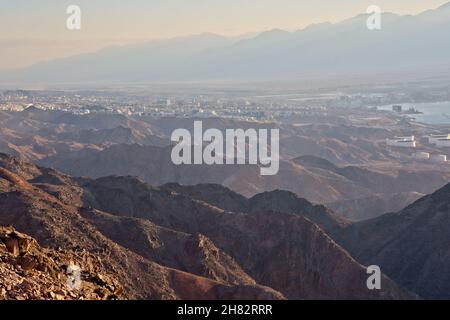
422 155
443 143
406 138
397 108
404 142
440 140
439 158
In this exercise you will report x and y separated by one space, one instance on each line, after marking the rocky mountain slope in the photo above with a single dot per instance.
162 244
373 206
28 271
60 224
411 245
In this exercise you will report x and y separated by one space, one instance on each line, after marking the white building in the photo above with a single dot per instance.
404 142
422 155
434 138
406 138
442 143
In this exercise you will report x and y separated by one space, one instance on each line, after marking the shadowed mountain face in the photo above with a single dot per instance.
411 245
373 206
162 244
350 189
278 200
348 47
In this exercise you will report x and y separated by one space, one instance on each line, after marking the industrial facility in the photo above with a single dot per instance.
441 140
404 142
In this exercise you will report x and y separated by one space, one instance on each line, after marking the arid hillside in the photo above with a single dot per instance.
345 165
162 244
411 245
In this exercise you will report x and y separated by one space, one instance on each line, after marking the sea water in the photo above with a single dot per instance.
432 112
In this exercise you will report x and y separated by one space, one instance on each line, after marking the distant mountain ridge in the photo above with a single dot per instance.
411 245
348 47
323 163
308 177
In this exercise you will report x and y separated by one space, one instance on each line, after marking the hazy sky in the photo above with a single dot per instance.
35 30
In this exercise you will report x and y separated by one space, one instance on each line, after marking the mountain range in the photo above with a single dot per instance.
161 243
208 242
404 44
346 167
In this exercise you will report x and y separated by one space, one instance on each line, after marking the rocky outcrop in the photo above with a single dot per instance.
16 243
28 271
